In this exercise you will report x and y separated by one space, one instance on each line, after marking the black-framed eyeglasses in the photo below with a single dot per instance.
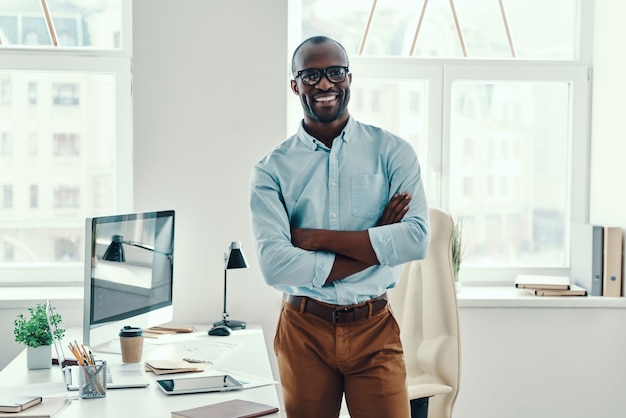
312 76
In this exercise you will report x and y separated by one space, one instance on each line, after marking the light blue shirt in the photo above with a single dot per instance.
304 184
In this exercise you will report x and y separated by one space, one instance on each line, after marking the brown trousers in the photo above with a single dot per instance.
320 361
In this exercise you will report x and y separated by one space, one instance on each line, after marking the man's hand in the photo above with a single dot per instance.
395 209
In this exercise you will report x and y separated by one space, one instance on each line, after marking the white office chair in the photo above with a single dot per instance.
425 305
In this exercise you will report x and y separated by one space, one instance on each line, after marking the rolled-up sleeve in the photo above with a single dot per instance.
399 243
409 239
281 263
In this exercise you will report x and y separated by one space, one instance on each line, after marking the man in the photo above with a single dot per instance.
332 226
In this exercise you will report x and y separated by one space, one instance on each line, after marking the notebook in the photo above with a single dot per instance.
119 376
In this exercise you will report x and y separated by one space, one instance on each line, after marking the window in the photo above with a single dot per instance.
95 25
65 94
32 93
6 144
64 135
66 145
67 197
494 97
34 196
7 196
8 251
33 145
6 92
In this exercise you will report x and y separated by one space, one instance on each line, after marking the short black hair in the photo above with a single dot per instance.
316 40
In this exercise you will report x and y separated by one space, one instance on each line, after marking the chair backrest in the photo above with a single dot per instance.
424 303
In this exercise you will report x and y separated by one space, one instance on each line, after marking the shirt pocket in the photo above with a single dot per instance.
369 194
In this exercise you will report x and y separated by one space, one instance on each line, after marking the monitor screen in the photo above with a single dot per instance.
129 265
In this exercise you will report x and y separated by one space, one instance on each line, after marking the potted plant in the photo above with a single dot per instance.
34 333
457 251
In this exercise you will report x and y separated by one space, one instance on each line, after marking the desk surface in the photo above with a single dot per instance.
250 358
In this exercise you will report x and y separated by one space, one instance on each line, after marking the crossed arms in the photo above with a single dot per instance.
353 249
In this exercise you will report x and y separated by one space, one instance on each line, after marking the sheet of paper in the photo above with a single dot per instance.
209 352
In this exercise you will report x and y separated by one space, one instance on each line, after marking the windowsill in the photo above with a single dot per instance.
510 297
468 297
14 297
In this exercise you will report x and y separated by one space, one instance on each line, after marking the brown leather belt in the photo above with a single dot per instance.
337 313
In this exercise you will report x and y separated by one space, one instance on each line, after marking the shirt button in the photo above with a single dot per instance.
333 184
333 215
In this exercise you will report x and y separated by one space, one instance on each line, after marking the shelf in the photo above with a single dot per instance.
511 297
15 297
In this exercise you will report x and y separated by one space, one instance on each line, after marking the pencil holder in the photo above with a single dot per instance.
92 380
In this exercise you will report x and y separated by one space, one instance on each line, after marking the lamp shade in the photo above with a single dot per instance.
235 258
115 251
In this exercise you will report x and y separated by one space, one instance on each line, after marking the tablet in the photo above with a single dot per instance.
218 383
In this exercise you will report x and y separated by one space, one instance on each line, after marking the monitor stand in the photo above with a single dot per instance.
111 347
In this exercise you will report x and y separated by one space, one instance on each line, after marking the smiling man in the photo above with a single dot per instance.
337 209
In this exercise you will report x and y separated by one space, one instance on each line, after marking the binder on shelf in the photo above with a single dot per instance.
586 257
612 265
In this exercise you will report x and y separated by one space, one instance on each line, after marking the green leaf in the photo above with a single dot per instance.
34 331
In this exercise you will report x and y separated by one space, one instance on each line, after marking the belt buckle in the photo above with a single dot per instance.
338 311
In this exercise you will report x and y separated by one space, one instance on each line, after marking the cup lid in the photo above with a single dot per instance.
129 331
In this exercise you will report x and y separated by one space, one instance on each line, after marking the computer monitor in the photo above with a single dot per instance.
129 265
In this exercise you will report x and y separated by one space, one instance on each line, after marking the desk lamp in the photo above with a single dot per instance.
115 250
233 259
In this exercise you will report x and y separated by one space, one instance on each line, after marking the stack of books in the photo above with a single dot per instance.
539 285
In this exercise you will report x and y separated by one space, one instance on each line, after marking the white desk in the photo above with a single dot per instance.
250 358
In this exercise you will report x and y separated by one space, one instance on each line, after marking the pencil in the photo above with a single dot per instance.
85 360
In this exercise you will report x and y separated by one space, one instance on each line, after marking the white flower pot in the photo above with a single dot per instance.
39 358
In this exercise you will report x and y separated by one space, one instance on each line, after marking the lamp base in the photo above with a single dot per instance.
231 323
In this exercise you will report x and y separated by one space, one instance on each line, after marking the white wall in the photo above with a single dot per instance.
542 363
209 80
608 147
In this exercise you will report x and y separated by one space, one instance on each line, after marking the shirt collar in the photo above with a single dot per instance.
310 142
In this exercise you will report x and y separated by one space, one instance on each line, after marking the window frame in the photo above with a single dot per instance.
52 59
440 75
579 149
